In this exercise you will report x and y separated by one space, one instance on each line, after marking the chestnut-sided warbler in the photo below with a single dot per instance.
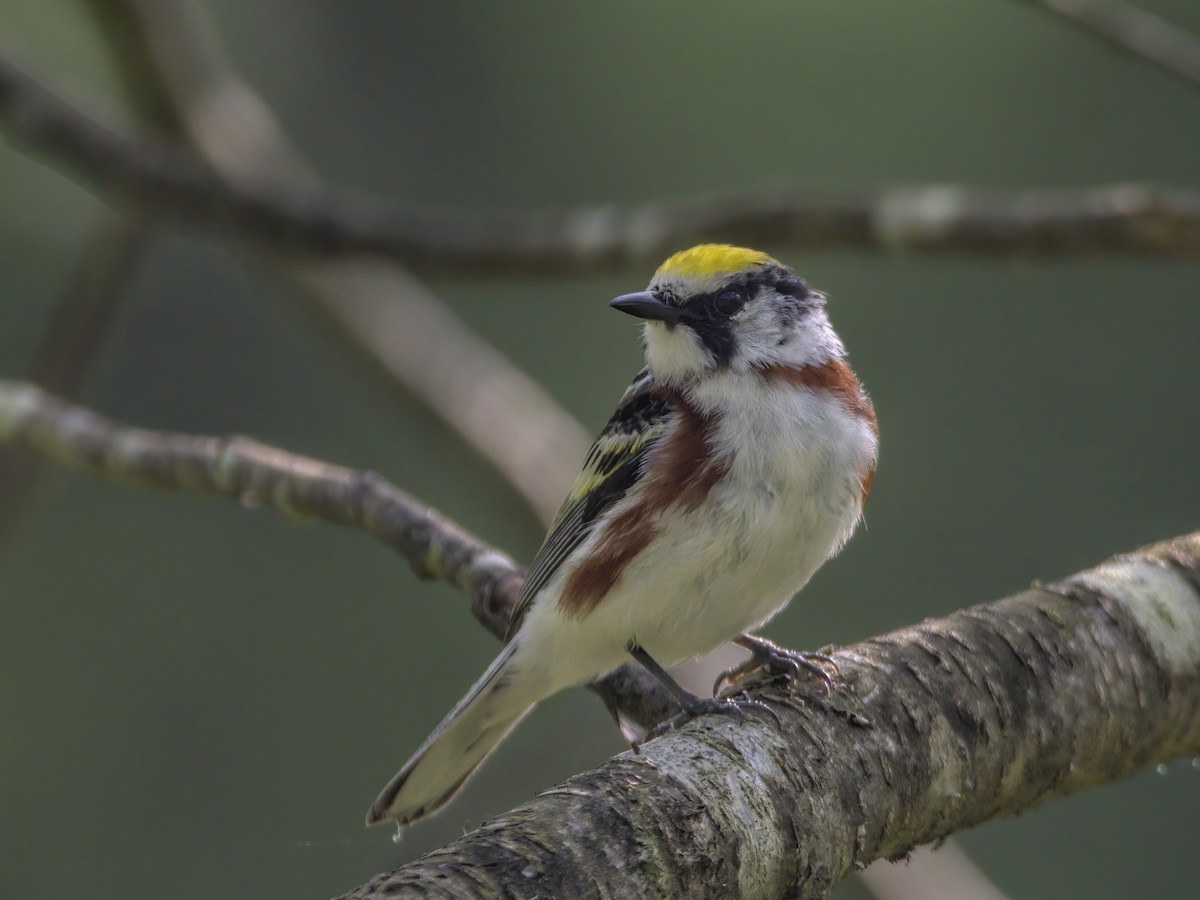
736 463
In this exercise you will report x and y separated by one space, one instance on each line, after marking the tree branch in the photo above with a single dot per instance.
1128 219
940 726
984 713
85 315
422 347
928 873
391 321
257 474
1135 31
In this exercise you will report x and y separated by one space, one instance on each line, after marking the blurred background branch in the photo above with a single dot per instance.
1136 31
979 364
1150 220
941 872
74 338
391 322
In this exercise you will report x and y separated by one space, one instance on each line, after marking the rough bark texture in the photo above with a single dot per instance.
933 729
984 713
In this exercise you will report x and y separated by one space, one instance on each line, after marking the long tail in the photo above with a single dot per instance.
457 747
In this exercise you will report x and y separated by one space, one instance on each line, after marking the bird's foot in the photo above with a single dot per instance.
793 663
693 706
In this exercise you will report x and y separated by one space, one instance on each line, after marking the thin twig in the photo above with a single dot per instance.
1136 31
1131 219
256 475
304 488
85 314
90 305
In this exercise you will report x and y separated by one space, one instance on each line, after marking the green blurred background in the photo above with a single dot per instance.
200 701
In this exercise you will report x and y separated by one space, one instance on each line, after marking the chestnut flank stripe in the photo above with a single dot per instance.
678 471
835 376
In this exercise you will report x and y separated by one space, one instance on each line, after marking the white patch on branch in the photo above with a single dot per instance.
926 213
1163 603
23 402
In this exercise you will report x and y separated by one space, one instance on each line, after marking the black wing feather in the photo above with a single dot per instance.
611 468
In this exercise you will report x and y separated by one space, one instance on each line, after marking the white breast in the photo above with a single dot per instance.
791 498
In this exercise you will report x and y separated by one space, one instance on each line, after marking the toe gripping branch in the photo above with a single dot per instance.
793 663
691 705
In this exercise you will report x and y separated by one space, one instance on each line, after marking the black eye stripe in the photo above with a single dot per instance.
712 318
725 302
711 313
708 306
729 301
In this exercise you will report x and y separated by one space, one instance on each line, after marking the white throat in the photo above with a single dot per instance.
676 355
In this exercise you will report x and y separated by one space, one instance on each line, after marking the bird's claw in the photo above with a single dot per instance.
779 659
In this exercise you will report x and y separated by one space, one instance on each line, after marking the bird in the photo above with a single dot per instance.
736 463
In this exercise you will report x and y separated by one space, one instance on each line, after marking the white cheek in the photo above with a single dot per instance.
674 353
755 345
811 342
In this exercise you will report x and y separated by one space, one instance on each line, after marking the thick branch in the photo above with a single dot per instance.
982 714
257 474
1131 219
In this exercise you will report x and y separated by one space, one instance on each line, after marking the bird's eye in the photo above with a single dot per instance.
729 302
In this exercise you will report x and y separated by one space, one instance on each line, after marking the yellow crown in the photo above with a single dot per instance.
706 260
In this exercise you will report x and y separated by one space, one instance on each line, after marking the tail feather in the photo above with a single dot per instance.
458 746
